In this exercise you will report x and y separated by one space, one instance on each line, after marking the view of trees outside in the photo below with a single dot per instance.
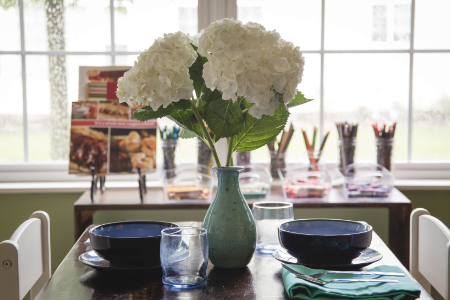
363 87
367 87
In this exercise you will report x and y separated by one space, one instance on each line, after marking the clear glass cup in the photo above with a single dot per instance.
184 256
268 216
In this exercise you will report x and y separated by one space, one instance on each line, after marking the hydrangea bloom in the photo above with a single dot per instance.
247 60
160 76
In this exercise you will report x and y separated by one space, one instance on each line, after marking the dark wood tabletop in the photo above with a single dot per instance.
261 279
128 199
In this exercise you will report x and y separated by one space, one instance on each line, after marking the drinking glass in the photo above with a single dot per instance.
184 256
268 216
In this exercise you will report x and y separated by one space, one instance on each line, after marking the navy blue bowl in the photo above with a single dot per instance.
320 241
129 243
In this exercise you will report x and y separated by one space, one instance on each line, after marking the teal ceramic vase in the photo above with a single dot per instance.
229 222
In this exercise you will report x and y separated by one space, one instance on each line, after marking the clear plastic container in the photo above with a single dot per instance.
188 183
385 148
368 180
255 182
299 182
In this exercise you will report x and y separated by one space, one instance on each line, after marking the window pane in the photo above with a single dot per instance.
431 106
140 22
9 18
366 88
298 21
431 28
371 24
11 124
80 25
52 83
306 116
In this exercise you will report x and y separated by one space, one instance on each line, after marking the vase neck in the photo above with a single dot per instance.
228 177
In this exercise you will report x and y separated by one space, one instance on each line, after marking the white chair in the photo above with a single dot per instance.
430 252
25 259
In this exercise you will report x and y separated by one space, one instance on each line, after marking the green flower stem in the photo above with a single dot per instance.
230 151
205 133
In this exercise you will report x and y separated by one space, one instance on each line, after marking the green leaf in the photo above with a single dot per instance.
186 119
298 100
147 113
258 132
207 97
224 118
187 134
196 73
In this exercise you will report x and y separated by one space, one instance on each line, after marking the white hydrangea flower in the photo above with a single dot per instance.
160 75
247 60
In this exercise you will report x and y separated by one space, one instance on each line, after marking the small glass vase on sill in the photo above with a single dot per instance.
237 101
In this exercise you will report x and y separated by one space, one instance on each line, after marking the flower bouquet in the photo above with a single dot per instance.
245 80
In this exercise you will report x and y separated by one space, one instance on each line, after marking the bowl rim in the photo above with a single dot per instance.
91 231
369 228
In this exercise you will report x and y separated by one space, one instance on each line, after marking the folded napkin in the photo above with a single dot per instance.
298 288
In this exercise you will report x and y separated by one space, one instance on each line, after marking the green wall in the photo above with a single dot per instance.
16 208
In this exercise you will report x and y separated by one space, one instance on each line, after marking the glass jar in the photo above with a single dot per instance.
347 148
385 147
204 156
277 162
242 158
168 147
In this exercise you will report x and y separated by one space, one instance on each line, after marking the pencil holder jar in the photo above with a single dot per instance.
384 147
169 147
277 161
243 158
347 146
313 158
204 156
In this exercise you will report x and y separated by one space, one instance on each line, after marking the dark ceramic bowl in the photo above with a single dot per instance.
129 243
322 241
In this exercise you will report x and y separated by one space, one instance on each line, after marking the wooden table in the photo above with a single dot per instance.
261 279
399 209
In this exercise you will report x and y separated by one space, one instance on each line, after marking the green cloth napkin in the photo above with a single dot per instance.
298 288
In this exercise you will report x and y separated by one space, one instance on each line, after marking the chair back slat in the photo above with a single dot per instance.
28 237
433 252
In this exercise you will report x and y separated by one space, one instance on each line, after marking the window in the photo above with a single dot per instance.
369 61
373 60
46 42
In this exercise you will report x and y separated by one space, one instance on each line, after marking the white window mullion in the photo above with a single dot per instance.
210 11
113 42
322 61
24 84
203 14
411 71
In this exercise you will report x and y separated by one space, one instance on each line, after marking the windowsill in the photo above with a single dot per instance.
54 178
82 186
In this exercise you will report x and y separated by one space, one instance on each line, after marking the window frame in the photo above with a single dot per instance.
209 11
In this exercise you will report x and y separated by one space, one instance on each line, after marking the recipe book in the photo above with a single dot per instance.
103 135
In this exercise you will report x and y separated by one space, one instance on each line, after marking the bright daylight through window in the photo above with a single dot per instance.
375 62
